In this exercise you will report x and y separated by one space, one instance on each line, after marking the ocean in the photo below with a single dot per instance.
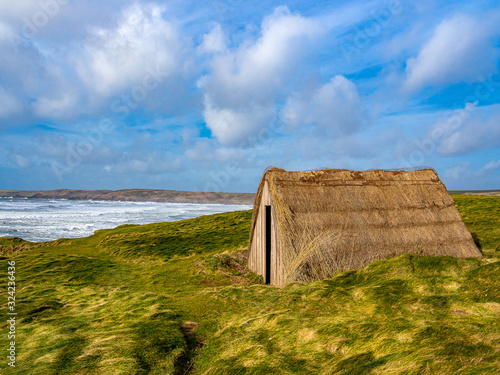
39 220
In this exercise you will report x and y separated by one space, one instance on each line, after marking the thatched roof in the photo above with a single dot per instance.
362 216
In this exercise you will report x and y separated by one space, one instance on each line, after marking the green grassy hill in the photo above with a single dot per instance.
176 298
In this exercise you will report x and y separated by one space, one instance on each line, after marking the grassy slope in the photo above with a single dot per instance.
117 302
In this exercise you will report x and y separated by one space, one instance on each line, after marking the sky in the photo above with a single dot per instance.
205 96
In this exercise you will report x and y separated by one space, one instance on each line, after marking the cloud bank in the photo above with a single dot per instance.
177 94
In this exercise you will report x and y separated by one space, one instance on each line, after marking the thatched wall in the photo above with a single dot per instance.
332 220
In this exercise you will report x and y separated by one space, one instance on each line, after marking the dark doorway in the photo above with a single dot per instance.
268 245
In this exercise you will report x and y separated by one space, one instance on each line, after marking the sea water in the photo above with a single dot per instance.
40 220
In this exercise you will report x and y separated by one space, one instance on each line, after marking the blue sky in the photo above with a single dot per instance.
205 96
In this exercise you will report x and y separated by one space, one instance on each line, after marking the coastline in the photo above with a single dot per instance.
134 195
492 193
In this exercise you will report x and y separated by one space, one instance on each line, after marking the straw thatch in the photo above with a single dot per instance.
329 220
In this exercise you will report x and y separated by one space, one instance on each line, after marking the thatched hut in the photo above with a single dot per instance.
308 225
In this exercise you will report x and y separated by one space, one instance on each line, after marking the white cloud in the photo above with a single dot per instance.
152 163
334 107
20 160
59 106
5 32
244 83
117 57
214 41
460 50
199 152
208 151
467 176
21 8
492 166
9 105
234 125
457 172
478 131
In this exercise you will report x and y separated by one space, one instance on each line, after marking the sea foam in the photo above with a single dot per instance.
40 220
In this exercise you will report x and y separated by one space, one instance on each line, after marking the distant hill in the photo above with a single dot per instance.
495 193
138 195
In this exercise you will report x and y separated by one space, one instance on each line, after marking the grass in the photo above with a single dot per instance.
176 298
481 215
